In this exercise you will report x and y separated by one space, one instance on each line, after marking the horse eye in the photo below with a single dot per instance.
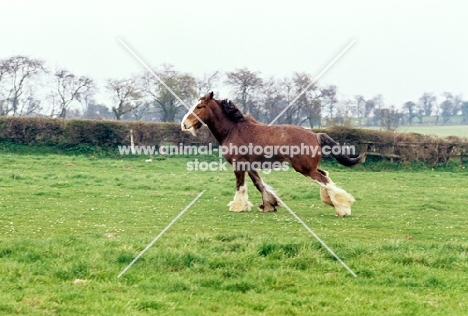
199 107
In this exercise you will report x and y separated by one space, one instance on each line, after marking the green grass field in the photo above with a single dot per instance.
70 224
439 130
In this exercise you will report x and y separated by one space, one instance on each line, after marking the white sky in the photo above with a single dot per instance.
402 49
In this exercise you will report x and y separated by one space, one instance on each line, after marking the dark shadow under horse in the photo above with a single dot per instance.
249 145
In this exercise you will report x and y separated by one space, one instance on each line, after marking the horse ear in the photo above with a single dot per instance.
208 96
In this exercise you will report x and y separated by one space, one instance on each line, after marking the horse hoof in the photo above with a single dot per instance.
262 208
342 215
239 207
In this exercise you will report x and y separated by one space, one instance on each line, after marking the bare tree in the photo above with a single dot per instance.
245 83
127 93
144 110
343 112
379 101
29 104
273 100
309 104
277 95
207 83
464 110
87 98
17 75
410 106
293 115
427 101
70 88
182 84
329 100
369 106
390 118
447 107
4 102
359 109
457 103
95 110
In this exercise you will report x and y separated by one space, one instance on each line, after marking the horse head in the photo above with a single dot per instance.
198 114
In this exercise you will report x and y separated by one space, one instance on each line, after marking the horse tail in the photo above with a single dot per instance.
342 158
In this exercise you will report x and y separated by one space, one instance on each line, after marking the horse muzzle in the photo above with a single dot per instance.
186 128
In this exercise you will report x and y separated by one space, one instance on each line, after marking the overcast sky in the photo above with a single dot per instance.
402 48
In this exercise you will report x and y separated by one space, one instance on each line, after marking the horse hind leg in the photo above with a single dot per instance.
241 202
325 197
342 201
333 195
270 200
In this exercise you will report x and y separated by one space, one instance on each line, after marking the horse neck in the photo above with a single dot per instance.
220 126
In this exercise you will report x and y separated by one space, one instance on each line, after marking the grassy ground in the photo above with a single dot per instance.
69 225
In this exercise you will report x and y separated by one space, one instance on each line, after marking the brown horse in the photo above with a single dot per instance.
249 145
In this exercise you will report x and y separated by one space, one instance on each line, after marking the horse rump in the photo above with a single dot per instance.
340 155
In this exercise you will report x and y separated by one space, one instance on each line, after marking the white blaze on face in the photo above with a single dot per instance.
185 125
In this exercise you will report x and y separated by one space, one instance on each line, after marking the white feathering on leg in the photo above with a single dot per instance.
341 199
271 193
241 200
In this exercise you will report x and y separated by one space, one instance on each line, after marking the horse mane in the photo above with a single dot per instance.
250 118
232 111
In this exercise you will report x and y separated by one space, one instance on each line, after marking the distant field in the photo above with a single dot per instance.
69 225
455 130
439 130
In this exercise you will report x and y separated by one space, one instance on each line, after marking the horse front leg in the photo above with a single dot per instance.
270 200
241 199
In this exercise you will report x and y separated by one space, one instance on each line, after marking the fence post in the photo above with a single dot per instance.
132 145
